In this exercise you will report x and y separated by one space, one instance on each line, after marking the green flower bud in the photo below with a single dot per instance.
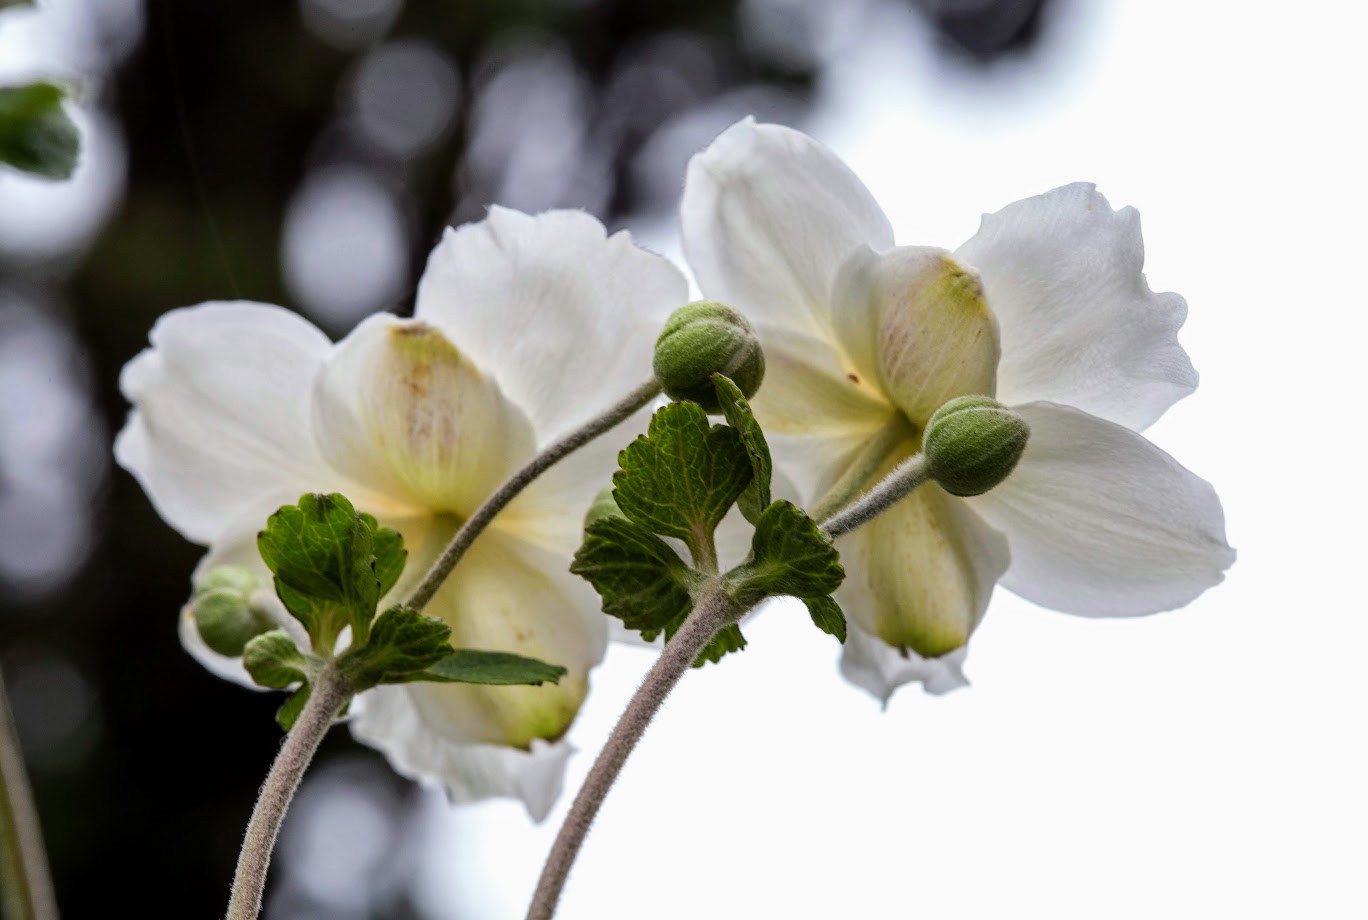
702 339
223 610
972 443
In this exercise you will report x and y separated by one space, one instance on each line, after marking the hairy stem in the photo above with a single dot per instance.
329 692
714 610
520 480
25 885
905 477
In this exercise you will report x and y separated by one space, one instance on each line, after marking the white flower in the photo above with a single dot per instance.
525 328
1045 308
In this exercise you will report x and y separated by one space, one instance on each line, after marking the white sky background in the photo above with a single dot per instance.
1204 763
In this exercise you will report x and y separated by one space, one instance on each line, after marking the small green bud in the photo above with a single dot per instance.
223 610
702 339
604 506
972 443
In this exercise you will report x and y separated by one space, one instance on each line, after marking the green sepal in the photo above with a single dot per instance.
36 135
755 498
327 572
682 476
473 666
641 580
402 641
273 660
827 616
790 555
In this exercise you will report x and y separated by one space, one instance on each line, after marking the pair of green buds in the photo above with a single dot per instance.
971 443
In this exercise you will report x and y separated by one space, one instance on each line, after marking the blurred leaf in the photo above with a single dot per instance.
36 135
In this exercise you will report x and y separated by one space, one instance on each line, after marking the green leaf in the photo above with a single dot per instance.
681 477
6 3
390 555
288 713
641 580
756 497
790 555
273 660
401 641
471 666
35 133
827 616
321 553
644 583
728 639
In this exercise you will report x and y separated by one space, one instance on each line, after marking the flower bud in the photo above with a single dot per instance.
972 443
223 610
702 339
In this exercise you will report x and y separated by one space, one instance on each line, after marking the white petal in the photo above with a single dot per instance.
919 576
879 668
398 408
918 320
508 595
1103 523
769 215
390 720
221 413
562 315
1080 325
816 412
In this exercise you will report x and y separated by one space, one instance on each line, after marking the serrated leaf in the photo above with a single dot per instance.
36 135
472 666
682 476
827 616
755 498
321 554
288 713
273 660
401 642
790 555
390 556
641 580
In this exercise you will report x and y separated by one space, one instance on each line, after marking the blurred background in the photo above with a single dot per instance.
1203 763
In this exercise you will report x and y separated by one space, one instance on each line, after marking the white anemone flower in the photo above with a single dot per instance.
1046 309
525 328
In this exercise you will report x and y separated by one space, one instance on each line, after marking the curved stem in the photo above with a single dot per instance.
520 480
714 610
329 692
905 477
25 885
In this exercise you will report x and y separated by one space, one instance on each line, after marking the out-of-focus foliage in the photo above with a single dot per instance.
35 134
